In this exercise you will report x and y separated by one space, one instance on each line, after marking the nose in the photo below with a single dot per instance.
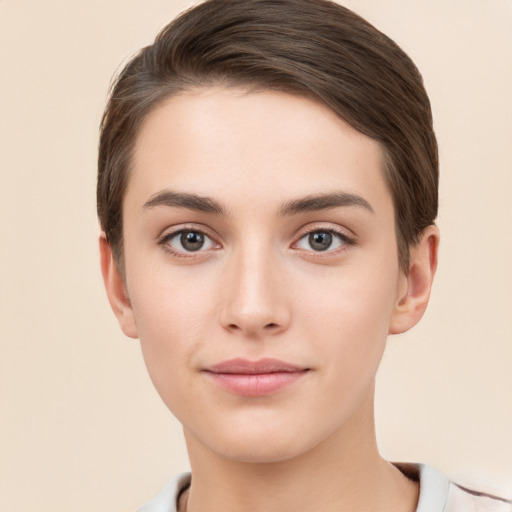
254 296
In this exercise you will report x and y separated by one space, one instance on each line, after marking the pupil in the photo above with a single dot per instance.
192 240
320 241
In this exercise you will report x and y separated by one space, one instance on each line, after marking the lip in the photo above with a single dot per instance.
255 378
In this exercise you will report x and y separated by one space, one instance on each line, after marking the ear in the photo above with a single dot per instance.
414 288
116 290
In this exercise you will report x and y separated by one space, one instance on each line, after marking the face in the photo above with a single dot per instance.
262 273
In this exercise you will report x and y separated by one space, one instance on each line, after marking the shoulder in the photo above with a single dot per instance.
464 499
167 498
439 494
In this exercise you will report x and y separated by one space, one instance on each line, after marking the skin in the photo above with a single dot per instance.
258 288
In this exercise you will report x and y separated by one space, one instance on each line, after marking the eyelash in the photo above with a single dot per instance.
344 239
167 237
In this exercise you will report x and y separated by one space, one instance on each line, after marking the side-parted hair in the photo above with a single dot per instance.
314 48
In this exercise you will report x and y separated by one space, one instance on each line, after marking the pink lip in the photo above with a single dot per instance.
255 378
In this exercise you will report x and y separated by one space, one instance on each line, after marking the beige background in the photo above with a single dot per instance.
81 428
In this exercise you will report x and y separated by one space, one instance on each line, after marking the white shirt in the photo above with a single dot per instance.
437 494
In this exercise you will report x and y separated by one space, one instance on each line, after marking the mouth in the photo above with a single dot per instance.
255 378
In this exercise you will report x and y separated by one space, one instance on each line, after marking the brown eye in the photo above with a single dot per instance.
192 240
188 241
323 240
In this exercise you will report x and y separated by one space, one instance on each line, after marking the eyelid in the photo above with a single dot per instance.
171 232
347 237
330 227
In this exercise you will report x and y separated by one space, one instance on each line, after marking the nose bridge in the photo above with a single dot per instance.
255 301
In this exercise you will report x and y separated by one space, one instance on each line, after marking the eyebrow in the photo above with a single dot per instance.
318 202
184 200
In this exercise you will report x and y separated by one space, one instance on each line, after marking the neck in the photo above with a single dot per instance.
342 473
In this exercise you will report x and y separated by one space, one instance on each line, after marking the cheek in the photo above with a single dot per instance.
172 314
348 320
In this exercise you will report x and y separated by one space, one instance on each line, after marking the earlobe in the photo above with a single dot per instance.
416 285
116 290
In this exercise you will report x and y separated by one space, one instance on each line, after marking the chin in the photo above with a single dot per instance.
262 452
256 443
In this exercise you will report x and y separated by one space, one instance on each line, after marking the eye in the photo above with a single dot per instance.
187 241
322 240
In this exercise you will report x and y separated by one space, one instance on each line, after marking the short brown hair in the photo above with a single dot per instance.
315 48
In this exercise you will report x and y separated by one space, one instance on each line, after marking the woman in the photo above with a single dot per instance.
267 191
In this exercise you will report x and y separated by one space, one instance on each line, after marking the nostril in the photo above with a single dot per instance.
270 326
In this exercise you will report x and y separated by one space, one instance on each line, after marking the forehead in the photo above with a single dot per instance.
229 143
